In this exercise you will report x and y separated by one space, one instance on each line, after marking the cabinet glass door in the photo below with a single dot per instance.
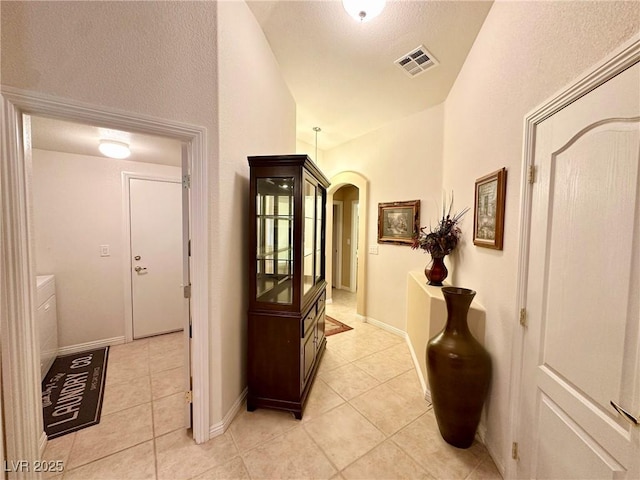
320 200
274 252
309 236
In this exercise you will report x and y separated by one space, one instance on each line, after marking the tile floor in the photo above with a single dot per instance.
366 418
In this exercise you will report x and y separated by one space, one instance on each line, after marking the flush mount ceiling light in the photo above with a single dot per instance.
363 10
114 149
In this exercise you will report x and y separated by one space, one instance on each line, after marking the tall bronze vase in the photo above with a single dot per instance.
459 371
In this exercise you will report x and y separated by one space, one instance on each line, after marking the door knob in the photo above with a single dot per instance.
625 414
140 269
137 257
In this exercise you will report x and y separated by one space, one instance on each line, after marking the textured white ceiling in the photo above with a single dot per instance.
341 72
68 137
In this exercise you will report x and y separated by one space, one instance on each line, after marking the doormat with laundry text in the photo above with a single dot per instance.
72 392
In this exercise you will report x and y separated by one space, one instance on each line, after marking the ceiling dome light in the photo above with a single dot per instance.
363 10
114 149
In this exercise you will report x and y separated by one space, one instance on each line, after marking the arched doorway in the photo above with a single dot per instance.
357 182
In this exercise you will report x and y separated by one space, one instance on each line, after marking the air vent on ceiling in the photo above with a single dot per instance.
416 61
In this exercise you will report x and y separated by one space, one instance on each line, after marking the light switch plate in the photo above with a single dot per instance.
104 251
373 250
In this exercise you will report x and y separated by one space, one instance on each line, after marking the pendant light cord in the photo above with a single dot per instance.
316 129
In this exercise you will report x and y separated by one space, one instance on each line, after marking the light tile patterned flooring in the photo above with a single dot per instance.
366 418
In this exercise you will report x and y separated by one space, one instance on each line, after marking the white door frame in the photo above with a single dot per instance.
2 449
20 372
338 235
353 268
126 239
624 57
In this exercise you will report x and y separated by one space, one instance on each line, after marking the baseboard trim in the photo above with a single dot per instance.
423 381
345 288
385 326
81 347
221 427
482 432
493 454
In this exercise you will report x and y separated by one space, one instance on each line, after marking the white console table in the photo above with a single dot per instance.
426 317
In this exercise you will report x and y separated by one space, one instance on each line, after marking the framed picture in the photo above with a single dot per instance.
488 213
398 222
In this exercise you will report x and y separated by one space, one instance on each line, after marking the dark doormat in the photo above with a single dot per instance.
72 392
333 326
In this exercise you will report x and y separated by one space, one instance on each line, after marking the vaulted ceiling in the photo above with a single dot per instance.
341 73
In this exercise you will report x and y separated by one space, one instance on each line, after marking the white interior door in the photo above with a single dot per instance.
581 348
156 256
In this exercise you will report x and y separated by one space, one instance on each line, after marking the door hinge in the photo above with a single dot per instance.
187 291
531 176
186 181
188 396
514 450
523 317
190 330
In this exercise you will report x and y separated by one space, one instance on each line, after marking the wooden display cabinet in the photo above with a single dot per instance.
287 280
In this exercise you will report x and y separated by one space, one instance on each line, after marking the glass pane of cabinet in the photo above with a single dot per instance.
308 248
319 272
274 269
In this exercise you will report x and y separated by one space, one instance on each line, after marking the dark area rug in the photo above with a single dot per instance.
72 392
333 326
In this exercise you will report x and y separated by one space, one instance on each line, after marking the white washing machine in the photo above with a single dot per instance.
47 321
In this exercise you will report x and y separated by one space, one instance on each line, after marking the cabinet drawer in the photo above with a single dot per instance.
308 322
321 302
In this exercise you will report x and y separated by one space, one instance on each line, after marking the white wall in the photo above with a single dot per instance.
257 116
402 161
77 206
310 150
524 53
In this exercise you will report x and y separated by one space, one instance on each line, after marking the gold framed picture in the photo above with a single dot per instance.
488 213
398 222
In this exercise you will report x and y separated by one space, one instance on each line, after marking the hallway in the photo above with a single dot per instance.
366 418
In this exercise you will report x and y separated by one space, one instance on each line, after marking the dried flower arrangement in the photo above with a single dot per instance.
443 239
